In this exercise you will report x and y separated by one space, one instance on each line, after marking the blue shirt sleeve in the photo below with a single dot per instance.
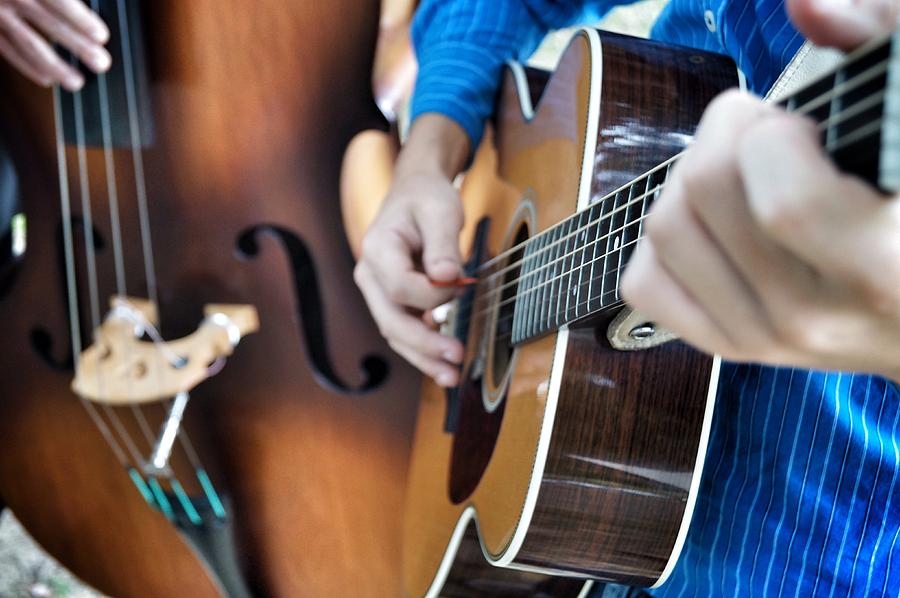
462 45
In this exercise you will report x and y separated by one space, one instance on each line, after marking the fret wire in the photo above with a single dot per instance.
624 236
557 266
840 89
849 85
856 136
833 108
609 244
584 238
566 265
553 272
541 287
597 207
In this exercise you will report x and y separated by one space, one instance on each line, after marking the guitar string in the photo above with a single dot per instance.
480 298
71 284
839 90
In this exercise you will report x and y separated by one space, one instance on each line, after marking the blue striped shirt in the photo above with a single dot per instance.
800 494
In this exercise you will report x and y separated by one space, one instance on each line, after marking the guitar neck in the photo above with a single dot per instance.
572 270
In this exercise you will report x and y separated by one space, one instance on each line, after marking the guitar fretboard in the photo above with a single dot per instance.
572 270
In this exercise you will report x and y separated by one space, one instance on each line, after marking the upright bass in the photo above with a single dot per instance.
197 182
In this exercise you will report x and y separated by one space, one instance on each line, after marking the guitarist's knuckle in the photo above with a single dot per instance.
395 290
878 289
660 233
784 212
807 330
694 182
727 104
359 276
369 245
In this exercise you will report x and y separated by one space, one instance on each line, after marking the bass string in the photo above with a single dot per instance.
115 224
835 94
488 296
87 220
137 153
90 254
143 208
71 284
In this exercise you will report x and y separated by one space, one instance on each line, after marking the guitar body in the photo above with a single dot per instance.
568 457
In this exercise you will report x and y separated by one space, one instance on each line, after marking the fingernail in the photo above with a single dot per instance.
450 356
445 380
100 59
73 82
100 34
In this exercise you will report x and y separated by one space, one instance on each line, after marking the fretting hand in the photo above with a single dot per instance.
760 250
29 27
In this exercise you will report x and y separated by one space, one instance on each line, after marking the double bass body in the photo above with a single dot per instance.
307 440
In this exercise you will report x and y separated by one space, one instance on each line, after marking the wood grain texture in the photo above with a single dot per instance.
254 104
472 577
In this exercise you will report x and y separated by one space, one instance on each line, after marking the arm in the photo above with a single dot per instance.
461 46
27 25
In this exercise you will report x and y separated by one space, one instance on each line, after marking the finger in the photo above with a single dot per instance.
650 289
15 58
389 256
440 223
793 190
837 224
691 257
38 52
713 187
843 24
81 18
440 371
397 325
57 29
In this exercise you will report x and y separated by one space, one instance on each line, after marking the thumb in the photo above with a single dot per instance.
440 223
843 24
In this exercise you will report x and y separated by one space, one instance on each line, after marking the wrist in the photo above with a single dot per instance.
436 145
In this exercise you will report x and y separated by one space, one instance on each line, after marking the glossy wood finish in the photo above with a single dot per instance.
473 577
625 423
254 104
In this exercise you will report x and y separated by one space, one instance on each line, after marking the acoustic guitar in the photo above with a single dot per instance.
574 444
